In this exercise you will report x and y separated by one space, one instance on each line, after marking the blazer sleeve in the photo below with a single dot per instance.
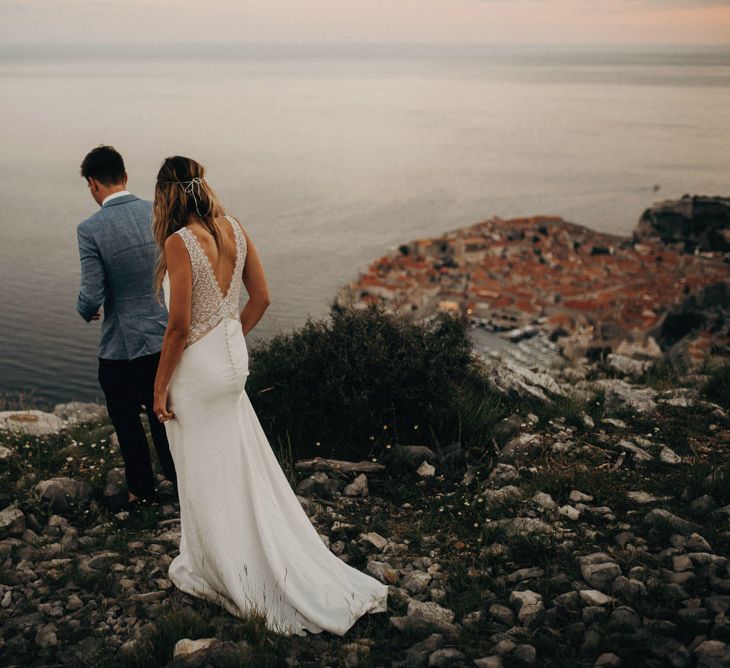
93 283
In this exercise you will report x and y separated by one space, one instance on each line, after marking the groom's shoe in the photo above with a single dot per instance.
117 502
120 501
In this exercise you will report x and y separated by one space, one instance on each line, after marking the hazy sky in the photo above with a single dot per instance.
531 21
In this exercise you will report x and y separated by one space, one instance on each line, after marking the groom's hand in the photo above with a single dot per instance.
96 315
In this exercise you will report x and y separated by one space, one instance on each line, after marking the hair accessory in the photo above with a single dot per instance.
191 187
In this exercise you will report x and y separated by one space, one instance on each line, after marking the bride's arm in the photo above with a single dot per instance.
178 322
255 282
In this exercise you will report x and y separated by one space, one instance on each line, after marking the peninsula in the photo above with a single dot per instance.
585 289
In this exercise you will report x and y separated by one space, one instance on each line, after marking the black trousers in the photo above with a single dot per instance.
128 386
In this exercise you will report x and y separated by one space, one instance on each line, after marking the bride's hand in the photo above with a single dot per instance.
160 407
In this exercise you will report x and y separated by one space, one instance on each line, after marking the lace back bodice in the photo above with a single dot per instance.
209 304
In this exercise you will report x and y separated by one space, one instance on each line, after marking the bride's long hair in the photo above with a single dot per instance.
181 194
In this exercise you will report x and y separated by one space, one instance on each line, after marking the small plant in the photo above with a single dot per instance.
570 408
155 649
711 478
663 374
285 454
463 588
717 388
18 401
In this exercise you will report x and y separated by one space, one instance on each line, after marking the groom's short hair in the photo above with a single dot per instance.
105 164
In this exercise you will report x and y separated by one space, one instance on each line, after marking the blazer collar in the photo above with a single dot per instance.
120 200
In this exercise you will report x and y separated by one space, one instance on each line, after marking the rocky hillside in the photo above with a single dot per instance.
592 529
688 224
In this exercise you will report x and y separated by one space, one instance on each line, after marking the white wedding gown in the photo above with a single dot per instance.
246 543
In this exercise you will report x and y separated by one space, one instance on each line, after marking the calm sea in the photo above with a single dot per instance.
332 154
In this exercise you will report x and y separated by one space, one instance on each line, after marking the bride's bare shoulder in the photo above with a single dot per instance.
240 225
175 245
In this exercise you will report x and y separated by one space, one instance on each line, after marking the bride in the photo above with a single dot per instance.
246 543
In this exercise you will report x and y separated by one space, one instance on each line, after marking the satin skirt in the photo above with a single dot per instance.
246 543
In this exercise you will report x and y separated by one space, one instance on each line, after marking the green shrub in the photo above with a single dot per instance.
664 374
717 388
364 379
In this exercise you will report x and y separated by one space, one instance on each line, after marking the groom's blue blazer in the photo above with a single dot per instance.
118 255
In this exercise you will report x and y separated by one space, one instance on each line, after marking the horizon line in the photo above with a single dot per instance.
302 43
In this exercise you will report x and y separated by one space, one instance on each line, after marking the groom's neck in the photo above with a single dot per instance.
116 188
105 192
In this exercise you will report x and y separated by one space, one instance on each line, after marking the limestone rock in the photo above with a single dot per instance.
358 487
545 501
496 498
528 605
417 655
319 484
518 446
502 614
503 473
525 654
74 603
523 526
374 539
569 512
620 395
523 574
668 456
31 422
46 636
680 397
594 597
639 454
626 365
643 498
187 646
624 618
599 570
659 517
426 470
409 455
426 616
712 654
12 522
607 660
443 658
383 572
416 582
648 349
697 543
516 380
63 492
79 412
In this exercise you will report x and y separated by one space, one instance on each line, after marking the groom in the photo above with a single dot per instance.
118 254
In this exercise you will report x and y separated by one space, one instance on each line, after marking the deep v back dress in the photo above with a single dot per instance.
246 543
